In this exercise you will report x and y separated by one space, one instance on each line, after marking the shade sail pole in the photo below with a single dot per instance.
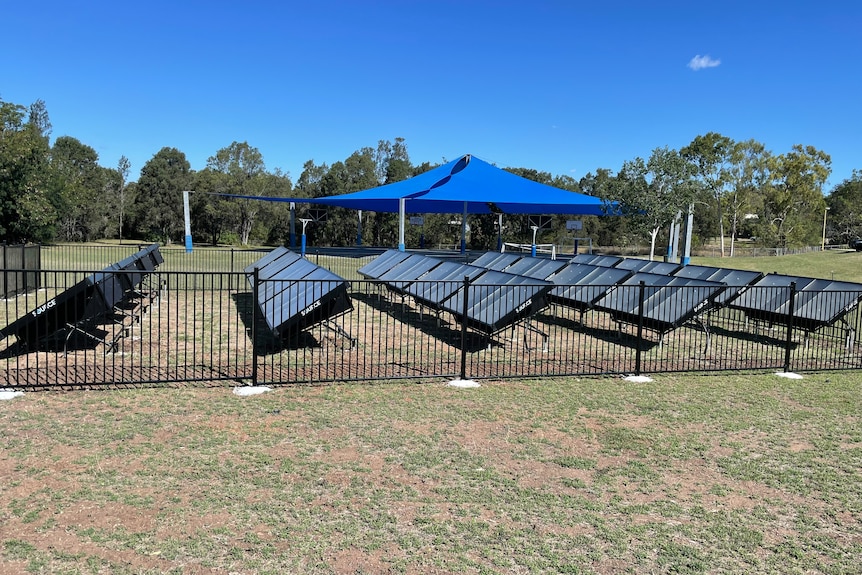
464 230
188 221
401 210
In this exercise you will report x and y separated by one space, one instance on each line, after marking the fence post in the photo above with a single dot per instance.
5 271
789 340
464 308
255 293
641 298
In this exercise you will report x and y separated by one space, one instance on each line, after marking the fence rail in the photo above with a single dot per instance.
206 326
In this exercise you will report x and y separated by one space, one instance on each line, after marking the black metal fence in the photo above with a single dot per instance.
206 326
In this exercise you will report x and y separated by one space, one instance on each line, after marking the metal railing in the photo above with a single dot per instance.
185 326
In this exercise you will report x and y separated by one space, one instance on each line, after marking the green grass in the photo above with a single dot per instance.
841 265
687 474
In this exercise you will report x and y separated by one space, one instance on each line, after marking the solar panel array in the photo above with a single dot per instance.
495 299
673 295
93 297
296 294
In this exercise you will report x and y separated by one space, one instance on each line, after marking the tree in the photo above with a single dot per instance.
243 173
653 193
747 175
606 231
122 192
25 212
795 191
845 209
75 184
711 156
159 206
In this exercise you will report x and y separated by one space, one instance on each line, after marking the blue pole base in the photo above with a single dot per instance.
402 248
303 246
686 260
188 244
533 250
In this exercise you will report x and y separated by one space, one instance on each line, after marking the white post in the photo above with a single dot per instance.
188 221
464 230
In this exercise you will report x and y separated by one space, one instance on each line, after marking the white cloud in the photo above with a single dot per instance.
700 62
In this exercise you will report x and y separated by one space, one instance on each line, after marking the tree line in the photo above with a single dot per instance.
58 191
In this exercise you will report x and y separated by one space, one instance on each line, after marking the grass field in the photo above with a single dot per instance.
686 474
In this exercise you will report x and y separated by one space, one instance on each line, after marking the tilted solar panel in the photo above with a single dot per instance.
735 280
596 260
667 301
647 266
84 302
579 286
441 282
382 264
295 294
497 300
817 302
496 260
539 268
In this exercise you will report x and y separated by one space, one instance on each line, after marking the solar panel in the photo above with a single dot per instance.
84 303
295 294
382 264
647 266
496 300
496 260
596 260
817 302
735 280
579 285
441 282
668 301
407 271
539 268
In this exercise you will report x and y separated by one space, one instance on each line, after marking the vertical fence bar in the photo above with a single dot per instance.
638 352
464 309
255 299
789 340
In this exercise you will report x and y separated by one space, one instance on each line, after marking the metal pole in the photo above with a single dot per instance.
464 308
641 298
401 210
689 224
533 246
823 243
187 217
255 297
789 340
293 225
464 230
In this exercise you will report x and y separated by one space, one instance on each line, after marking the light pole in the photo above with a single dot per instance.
823 242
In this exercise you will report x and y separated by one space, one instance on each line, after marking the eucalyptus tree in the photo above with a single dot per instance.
845 209
711 157
159 205
795 193
653 193
123 194
241 171
748 174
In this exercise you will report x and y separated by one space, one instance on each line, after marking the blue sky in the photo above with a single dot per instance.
564 87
